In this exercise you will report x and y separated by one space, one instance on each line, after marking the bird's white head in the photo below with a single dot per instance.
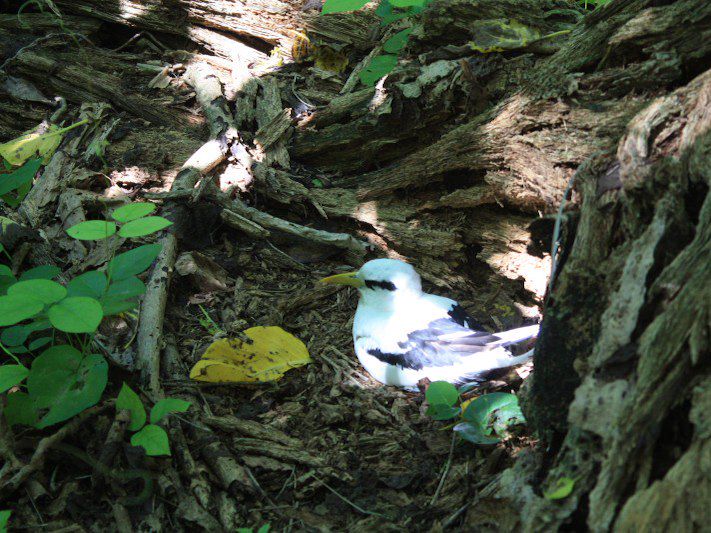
382 281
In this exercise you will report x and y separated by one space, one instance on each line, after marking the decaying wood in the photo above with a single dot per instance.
277 451
264 20
252 429
267 221
65 168
88 83
150 328
244 224
208 92
233 477
13 480
538 162
42 23
190 468
112 443
637 280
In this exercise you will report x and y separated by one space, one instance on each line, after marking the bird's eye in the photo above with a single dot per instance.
375 284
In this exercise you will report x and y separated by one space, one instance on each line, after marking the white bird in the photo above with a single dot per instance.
402 334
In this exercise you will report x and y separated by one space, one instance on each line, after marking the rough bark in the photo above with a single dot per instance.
621 380
265 20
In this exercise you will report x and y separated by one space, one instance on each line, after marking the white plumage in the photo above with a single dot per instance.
402 334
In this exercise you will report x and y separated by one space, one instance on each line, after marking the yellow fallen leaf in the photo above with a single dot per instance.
330 60
271 353
499 35
32 144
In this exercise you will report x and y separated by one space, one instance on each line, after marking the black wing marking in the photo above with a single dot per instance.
461 317
435 345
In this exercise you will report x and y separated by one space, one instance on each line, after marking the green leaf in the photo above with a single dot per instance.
5 283
6 271
153 439
442 412
144 226
131 402
23 175
167 406
133 262
17 335
92 284
126 288
20 409
4 519
14 335
41 272
11 375
341 6
76 314
562 488
407 3
378 67
474 434
116 306
441 393
397 42
48 372
387 15
14 309
64 381
264 529
39 342
18 350
130 212
13 199
92 230
45 290
488 417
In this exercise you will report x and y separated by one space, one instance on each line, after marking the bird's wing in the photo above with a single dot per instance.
445 342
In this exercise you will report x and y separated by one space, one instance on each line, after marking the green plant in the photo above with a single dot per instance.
36 311
389 11
4 519
16 184
208 323
484 420
594 4
264 529
151 437
562 488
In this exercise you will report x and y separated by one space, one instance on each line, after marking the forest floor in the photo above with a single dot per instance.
327 448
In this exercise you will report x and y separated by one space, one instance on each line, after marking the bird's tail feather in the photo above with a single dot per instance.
520 359
514 336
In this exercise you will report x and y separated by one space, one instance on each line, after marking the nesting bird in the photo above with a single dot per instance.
402 334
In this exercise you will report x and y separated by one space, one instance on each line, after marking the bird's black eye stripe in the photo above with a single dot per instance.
387 285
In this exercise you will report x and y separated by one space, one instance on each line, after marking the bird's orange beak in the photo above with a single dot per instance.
349 278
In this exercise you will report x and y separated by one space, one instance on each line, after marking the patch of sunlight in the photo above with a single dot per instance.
366 212
513 265
380 103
